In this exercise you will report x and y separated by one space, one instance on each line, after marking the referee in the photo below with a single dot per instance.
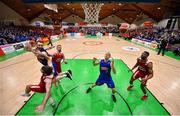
163 45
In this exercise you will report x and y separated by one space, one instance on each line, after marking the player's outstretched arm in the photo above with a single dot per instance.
150 70
64 60
40 108
95 62
135 66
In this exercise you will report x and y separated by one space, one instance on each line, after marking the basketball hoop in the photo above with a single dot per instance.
91 11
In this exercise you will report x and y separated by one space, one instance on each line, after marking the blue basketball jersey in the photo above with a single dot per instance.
105 68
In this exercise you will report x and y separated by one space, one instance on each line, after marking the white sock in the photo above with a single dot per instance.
51 101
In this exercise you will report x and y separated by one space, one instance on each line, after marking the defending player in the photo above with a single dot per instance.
105 74
144 71
57 58
44 86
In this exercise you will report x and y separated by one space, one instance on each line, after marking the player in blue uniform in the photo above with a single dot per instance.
105 74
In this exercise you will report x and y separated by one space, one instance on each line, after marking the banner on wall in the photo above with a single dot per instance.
104 24
8 49
148 24
18 46
124 26
148 44
81 24
1 52
44 39
37 24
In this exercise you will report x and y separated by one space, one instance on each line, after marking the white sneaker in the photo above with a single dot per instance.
53 104
25 94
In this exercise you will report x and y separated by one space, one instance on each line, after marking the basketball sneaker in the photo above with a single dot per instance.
53 104
69 74
130 87
144 97
88 90
25 94
114 98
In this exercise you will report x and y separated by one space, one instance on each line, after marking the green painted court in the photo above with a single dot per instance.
71 97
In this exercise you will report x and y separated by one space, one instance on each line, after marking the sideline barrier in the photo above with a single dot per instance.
7 49
10 48
145 43
110 35
1 52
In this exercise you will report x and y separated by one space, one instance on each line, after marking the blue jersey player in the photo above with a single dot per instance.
105 74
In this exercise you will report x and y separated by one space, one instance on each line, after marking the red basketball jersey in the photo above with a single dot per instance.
57 57
143 66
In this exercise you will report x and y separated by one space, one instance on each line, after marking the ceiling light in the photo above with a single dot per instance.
159 8
120 4
68 4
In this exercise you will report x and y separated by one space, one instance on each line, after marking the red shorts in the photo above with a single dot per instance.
139 74
37 88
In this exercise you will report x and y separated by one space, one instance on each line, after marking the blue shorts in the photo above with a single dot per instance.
56 68
108 80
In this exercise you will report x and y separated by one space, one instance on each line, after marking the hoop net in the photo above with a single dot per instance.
91 11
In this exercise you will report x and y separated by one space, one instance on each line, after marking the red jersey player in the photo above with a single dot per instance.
144 71
44 86
57 58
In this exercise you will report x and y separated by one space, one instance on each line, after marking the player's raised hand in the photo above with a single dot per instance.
28 47
65 62
112 60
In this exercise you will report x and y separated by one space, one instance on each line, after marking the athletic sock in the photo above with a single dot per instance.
51 101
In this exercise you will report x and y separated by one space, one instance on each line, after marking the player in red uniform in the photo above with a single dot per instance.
44 86
144 71
57 58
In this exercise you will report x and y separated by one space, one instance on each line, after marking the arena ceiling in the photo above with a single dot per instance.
126 11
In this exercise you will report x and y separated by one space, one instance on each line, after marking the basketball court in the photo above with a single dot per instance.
21 68
71 96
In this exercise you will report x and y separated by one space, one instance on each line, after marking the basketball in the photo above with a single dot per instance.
28 47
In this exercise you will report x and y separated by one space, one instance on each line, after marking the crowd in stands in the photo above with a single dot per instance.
92 30
155 34
11 34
